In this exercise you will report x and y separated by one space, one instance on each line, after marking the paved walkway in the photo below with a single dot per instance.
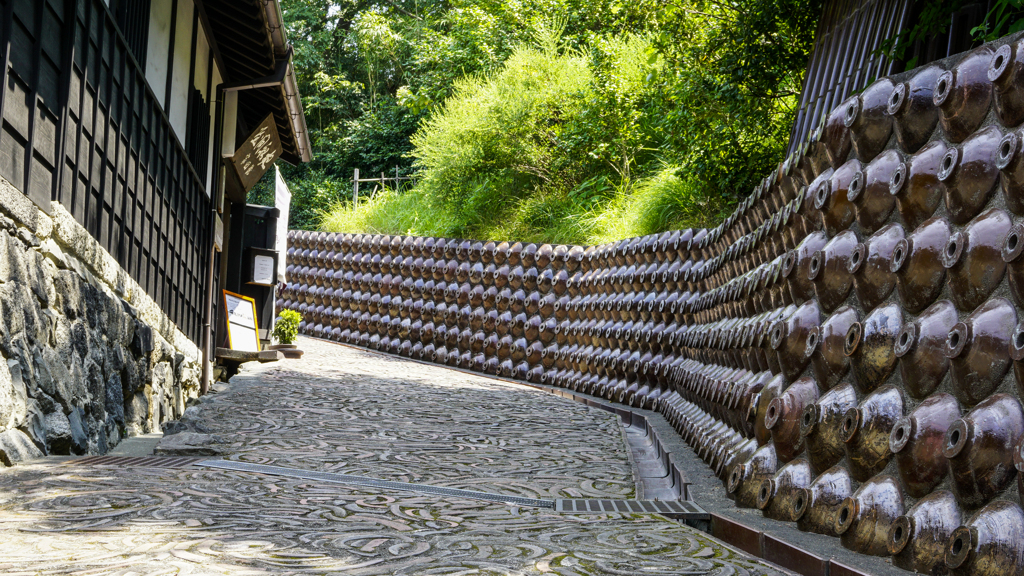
346 411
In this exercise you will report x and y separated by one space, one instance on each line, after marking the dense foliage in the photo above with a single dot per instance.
560 120
286 327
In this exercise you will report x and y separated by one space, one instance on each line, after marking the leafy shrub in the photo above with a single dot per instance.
286 327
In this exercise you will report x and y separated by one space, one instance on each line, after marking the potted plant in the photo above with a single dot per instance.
286 329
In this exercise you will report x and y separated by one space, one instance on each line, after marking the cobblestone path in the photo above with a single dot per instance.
346 411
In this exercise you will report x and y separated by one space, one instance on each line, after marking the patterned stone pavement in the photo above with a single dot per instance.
347 411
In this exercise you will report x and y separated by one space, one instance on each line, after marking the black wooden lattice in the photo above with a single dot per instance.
82 127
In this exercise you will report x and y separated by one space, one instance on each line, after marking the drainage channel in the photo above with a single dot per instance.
676 509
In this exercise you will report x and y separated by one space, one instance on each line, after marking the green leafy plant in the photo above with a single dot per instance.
286 327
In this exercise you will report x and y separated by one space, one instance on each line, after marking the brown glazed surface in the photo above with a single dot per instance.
973 258
921 346
784 415
828 360
964 94
870 346
868 119
796 266
979 449
918 539
870 191
913 108
830 271
870 266
822 426
744 481
916 185
917 441
866 430
789 338
864 519
1006 72
833 200
990 543
917 262
979 350
776 495
1013 247
815 507
969 173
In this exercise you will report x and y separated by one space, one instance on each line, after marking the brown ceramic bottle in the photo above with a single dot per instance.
822 426
921 345
870 266
980 446
1010 161
917 441
864 519
964 94
916 185
870 191
745 478
796 266
913 108
870 343
867 118
835 135
759 406
789 338
1006 72
829 270
917 262
917 540
1013 247
991 543
783 418
815 507
825 347
832 198
777 494
979 350
969 174
867 430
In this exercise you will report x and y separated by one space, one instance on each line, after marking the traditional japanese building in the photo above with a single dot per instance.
121 121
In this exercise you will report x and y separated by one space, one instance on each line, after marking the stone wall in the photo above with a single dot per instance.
86 356
846 350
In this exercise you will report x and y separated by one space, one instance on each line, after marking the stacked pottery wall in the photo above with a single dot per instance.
846 350
86 356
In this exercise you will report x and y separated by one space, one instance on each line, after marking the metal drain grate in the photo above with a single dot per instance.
679 509
374 483
137 461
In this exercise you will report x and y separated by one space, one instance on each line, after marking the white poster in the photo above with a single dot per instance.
282 200
263 270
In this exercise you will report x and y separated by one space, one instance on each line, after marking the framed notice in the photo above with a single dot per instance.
243 331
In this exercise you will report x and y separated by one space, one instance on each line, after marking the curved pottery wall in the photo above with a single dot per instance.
845 351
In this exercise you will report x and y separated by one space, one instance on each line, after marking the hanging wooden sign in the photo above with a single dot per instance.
258 153
243 330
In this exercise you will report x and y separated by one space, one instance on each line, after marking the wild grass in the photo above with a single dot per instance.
663 201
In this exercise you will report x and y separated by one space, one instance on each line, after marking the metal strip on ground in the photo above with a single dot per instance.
374 483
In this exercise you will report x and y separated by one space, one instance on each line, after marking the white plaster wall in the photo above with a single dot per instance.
202 62
214 109
159 43
177 108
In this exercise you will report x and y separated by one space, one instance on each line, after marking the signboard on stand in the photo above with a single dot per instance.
243 331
